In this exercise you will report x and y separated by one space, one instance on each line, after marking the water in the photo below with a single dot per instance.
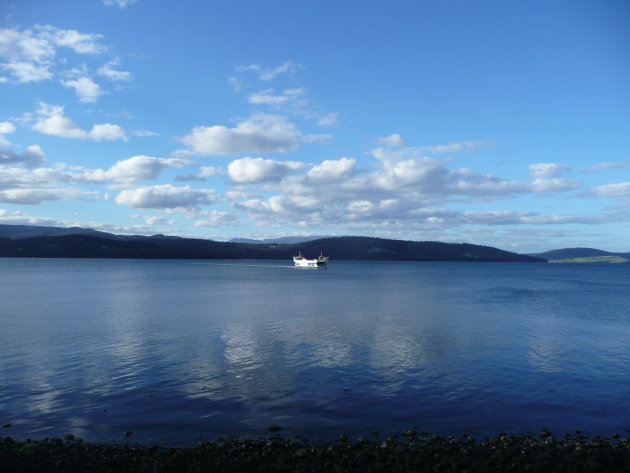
182 351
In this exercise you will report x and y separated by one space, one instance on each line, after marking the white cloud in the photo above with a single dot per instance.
50 120
81 43
214 218
86 89
136 168
323 138
267 74
249 170
554 185
24 46
204 172
119 3
391 140
31 157
404 184
619 189
166 197
28 72
260 133
154 219
107 132
19 218
209 171
108 70
455 147
36 196
609 165
6 128
427 175
332 170
22 186
544 170
266 97
28 55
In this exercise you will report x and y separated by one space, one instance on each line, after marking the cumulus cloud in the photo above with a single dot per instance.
20 218
402 186
260 133
110 72
619 189
249 170
29 55
554 185
32 156
136 168
36 196
204 173
86 89
25 186
545 170
332 170
27 72
215 218
81 43
24 46
50 120
166 197
154 219
267 74
106 132
391 140
6 128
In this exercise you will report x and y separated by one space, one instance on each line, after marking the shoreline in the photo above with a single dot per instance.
408 451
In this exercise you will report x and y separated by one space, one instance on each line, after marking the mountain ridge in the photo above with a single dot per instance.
87 243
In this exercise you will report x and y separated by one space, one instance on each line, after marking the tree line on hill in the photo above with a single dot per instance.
54 242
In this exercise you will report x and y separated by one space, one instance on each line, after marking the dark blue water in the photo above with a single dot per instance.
178 351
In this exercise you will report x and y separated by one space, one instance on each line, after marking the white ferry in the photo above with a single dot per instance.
301 261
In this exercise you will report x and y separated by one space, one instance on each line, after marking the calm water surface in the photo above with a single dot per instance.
179 351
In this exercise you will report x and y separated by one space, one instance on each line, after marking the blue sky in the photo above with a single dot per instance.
492 122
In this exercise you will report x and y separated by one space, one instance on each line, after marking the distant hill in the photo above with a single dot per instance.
288 240
62 243
28 231
583 255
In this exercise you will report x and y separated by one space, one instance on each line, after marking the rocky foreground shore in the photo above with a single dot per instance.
409 452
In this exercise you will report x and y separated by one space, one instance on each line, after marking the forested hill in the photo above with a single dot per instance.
349 248
583 255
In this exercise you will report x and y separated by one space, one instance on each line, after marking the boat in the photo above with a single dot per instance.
301 261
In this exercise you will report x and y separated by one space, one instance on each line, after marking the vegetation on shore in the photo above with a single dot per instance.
593 259
337 248
409 452
583 255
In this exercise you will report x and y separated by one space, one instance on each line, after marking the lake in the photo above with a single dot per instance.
182 351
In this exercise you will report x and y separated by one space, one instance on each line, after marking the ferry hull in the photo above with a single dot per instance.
300 261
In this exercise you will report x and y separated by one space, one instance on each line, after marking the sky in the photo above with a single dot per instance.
498 123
